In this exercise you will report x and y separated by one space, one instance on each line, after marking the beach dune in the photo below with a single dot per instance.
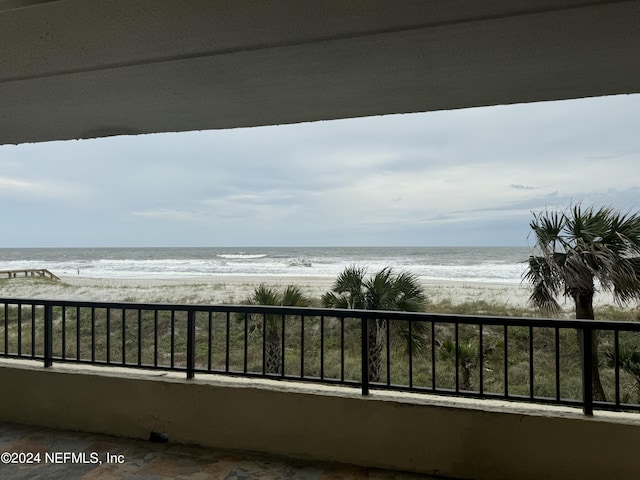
233 289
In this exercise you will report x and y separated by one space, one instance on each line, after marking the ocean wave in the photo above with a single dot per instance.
473 264
236 256
300 262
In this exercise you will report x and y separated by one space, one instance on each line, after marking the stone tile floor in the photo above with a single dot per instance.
158 461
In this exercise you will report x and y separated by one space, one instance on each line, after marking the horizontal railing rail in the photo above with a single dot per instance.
518 359
29 272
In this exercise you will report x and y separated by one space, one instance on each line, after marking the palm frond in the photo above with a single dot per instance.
264 295
380 291
547 228
350 284
416 335
294 297
628 360
385 290
410 293
546 284
331 300
350 280
580 247
625 280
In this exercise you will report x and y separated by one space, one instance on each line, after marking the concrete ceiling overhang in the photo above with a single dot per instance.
91 68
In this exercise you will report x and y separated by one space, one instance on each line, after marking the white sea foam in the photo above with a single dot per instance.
488 265
242 255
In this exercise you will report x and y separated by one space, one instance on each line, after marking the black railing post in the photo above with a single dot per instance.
365 355
48 335
191 343
587 371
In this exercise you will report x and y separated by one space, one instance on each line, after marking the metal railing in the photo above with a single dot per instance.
29 272
518 359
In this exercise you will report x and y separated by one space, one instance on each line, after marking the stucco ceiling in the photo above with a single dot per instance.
91 68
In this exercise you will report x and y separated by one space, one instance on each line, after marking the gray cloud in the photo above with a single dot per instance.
455 177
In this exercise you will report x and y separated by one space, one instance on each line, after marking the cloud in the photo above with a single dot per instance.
448 177
169 214
15 185
18 189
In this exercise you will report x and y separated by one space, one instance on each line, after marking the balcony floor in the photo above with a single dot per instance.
159 461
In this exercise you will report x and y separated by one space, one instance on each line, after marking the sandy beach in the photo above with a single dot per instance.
233 289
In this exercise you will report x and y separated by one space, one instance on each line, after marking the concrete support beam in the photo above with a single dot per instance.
90 68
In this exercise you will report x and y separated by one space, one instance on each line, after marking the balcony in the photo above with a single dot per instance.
467 397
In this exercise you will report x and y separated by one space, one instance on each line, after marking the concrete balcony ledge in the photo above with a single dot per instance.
452 437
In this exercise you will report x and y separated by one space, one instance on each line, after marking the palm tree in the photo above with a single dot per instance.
629 361
383 291
468 354
292 296
578 249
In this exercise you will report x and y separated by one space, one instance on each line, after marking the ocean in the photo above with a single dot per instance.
476 264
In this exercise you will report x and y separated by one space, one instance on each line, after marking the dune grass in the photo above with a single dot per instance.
235 344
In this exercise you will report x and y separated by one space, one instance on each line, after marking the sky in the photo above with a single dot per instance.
468 177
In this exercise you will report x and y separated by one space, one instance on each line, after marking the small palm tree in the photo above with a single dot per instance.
577 249
292 296
629 361
468 354
383 291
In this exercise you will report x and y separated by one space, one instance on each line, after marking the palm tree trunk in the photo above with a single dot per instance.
584 311
374 332
466 376
273 347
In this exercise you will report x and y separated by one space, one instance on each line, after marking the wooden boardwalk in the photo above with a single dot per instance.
29 272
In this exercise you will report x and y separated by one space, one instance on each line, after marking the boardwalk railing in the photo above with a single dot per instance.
517 359
29 272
